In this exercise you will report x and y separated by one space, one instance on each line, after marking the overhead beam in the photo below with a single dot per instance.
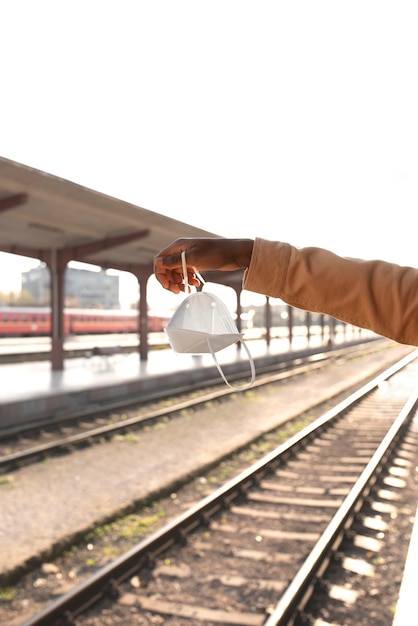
76 253
34 253
11 202
133 268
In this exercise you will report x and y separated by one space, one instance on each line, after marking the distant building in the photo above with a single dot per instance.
84 289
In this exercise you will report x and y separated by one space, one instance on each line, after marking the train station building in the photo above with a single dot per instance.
83 288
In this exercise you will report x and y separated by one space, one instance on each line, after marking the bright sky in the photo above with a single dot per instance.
286 120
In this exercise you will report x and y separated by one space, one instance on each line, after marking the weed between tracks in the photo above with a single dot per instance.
108 541
114 538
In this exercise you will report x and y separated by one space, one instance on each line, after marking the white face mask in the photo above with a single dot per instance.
203 324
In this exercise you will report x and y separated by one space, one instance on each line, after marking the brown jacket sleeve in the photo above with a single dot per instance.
377 295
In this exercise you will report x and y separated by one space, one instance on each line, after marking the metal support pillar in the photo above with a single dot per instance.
57 265
322 319
143 275
308 326
239 312
290 323
268 321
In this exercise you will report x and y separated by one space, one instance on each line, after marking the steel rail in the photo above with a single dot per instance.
107 579
296 595
154 396
286 364
22 457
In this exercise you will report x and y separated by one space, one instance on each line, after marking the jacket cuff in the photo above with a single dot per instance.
266 273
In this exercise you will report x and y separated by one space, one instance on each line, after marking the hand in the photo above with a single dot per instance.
202 253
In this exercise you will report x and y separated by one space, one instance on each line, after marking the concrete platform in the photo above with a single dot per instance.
32 391
405 608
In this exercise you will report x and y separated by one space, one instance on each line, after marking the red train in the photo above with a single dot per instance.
36 321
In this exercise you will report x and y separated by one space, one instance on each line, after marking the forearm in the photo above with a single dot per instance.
371 294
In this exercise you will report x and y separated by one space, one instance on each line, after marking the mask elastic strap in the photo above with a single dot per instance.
187 288
237 387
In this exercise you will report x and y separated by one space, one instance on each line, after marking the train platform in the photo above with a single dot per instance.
32 391
405 608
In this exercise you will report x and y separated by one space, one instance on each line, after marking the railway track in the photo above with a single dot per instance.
252 552
28 443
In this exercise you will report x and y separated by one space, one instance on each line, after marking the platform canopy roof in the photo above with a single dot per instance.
40 213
